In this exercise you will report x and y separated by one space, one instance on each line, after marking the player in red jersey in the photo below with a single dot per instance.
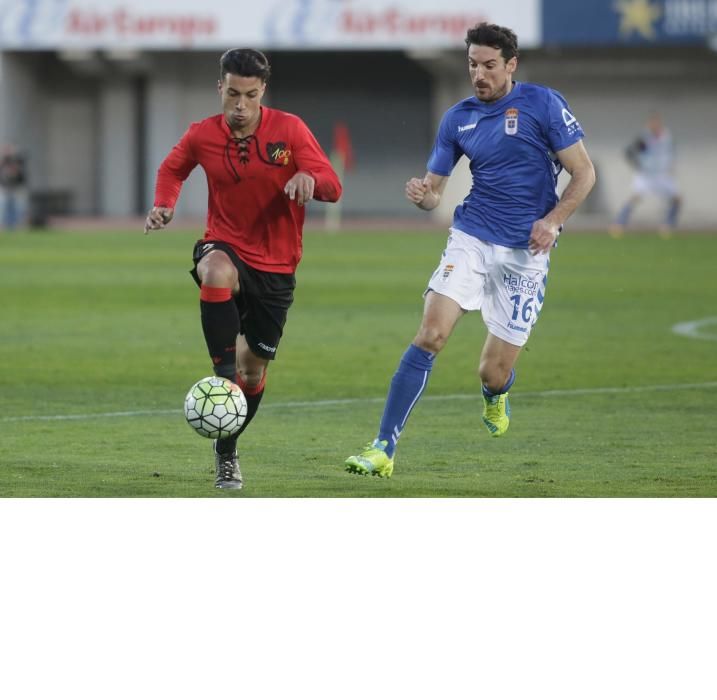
262 167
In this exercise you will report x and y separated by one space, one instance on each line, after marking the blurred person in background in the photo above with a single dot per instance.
652 155
262 167
12 183
518 137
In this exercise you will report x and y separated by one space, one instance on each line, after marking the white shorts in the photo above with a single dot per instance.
660 185
506 284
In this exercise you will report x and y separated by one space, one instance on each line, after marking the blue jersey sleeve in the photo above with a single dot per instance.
564 129
446 152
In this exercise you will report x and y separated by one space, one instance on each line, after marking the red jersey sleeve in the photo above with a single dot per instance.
174 170
310 158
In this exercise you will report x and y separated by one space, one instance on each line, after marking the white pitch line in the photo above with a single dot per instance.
696 329
348 402
85 416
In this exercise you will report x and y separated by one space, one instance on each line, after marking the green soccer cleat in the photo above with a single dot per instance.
496 414
373 460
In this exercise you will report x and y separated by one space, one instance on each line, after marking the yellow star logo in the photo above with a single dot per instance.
638 16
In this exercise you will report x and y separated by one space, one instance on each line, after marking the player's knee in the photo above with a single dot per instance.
217 270
430 339
493 374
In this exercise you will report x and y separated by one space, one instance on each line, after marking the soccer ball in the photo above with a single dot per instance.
215 407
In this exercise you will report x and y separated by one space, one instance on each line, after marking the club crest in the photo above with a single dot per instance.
511 121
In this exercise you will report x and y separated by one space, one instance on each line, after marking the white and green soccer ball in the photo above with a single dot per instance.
215 407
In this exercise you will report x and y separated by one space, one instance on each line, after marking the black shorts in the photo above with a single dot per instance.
263 301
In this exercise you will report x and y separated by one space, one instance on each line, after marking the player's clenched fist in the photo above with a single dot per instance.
157 218
416 190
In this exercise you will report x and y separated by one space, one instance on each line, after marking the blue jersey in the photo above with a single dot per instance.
511 146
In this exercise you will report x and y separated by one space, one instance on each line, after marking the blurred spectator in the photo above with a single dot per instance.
12 183
652 155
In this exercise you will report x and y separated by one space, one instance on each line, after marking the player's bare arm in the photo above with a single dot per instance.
426 193
576 161
157 218
301 188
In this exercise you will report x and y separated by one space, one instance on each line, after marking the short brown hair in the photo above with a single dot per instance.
498 37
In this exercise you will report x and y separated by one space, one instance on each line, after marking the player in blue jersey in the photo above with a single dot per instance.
517 137
652 155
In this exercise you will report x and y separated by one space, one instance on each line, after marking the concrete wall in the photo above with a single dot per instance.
385 101
51 113
100 127
181 88
22 102
117 121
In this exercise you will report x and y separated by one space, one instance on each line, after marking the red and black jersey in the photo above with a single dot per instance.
248 207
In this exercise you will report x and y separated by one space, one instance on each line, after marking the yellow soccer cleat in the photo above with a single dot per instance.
373 460
496 414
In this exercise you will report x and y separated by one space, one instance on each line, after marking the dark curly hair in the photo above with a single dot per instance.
245 62
498 37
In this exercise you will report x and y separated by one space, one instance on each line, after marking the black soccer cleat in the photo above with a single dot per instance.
228 472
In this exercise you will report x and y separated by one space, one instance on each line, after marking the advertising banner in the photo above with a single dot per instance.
265 24
628 22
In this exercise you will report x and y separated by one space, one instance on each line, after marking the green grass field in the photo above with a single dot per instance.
100 340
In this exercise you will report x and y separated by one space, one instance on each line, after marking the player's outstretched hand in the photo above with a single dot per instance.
416 190
157 218
300 188
542 236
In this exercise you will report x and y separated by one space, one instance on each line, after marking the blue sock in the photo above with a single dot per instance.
624 215
488 393
407 385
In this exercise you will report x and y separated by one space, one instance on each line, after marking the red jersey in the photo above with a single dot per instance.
248 207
